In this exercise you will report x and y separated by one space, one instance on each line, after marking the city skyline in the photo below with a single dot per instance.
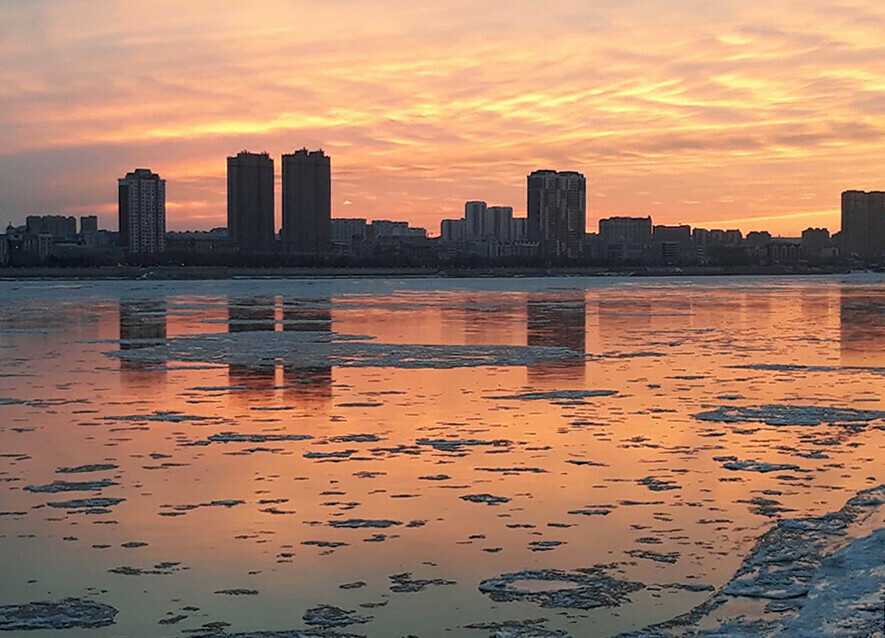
738 116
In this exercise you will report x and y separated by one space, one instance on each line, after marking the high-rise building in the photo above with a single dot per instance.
474 220
863 222
498 223
307 201
88 224
557 212
452 230
250 202
142 212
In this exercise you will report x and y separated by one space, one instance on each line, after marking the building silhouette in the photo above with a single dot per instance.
250 201
625 238
863 223
142 212
88 224
59 226
307 201
474 220
557 212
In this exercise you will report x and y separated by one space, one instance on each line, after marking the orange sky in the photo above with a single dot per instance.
727 113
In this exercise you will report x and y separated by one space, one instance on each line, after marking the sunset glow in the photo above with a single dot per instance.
720 114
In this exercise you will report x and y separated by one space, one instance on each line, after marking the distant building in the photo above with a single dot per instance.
672 244
4 250
758 238
518 229
677 234
863 223
733 237
625 238
387 228
452 230
142 212
499 223
88 224
307 201
557 211
475 220
250 202
213 242
700 237
345 231
58 226
817 243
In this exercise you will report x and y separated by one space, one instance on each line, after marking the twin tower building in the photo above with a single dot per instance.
307 202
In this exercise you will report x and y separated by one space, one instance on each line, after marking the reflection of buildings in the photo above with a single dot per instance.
483 323
254 314
862 325
308 384
559 321
302 384
142 325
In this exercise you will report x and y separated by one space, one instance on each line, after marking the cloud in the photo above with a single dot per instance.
732 106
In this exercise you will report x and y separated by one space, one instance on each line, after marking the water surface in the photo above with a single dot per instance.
241 452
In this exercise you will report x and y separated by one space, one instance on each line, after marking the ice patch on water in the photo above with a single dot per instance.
87 503
488 499
558 395
65 486
405 584
819 581
774 414
362 523
327 616
735 465
585 588
85 469
70 613
307 350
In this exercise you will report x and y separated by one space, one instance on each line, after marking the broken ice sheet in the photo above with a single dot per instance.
70 613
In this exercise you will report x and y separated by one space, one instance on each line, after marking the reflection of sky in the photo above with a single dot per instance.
729 113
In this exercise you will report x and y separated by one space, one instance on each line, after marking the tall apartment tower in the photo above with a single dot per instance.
474 220
498 222
863 222
557 212
142 212
250 202
307 201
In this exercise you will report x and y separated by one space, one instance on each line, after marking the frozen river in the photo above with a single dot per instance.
426 457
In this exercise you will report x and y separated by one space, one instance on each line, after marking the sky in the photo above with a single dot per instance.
718 113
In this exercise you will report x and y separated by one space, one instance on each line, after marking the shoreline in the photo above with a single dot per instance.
195 273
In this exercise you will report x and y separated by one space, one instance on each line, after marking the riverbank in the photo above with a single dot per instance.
225 272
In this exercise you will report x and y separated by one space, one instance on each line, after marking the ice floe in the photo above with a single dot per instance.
70 613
